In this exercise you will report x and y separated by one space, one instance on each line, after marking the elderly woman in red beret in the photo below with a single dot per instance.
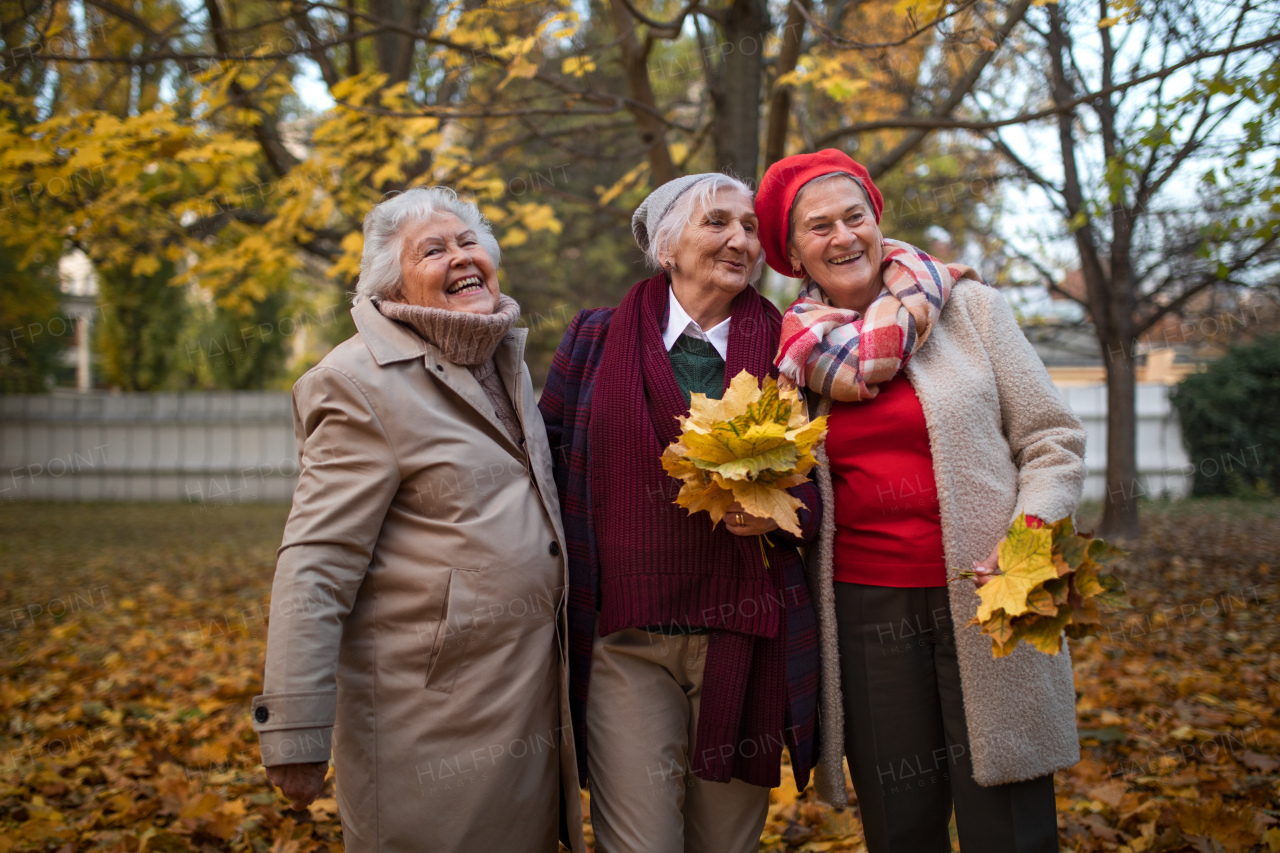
943 427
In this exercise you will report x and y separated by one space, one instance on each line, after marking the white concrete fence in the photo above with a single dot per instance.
1164 469
213 446
239 446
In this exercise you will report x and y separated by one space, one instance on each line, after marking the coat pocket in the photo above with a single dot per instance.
456 630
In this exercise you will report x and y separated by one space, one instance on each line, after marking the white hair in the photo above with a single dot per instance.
696 199
384 230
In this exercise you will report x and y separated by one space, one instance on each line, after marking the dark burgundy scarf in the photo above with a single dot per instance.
661 565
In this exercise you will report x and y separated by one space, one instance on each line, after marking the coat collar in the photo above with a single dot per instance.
387 340
390 342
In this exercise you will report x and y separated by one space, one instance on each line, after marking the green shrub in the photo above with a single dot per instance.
34 332
1231 421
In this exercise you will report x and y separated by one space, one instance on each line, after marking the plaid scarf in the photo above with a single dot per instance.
841 354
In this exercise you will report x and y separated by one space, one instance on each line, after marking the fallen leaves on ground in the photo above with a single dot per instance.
1177 700
132 639
132 642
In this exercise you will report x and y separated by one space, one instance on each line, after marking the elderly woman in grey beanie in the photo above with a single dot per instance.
416 613
693 657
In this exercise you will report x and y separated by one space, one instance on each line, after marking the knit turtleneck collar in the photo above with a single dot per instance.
464 339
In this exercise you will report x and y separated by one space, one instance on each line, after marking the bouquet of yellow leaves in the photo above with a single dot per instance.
750 447
1052 580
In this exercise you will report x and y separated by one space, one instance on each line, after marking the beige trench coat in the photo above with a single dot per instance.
1003 443
416 615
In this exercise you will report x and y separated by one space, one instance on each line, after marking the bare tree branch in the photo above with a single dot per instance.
1049 283
673 26
1065 107
839 41
958 93
1208 280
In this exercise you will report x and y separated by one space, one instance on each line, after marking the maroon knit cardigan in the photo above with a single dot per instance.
661 565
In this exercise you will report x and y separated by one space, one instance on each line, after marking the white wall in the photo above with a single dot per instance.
1163 465
221 446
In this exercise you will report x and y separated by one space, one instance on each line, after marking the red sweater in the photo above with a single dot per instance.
888 526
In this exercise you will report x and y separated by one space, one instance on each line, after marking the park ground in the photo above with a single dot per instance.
132 639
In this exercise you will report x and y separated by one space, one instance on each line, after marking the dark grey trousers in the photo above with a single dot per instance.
906 738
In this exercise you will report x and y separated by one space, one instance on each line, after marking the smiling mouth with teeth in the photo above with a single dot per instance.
844 260
469 284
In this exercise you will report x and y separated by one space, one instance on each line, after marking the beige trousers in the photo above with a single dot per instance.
641 719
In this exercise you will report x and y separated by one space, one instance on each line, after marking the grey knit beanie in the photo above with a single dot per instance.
650 211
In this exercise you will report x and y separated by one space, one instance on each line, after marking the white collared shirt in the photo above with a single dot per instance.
680 323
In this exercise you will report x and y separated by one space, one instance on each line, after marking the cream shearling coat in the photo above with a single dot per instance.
1003 442
417 613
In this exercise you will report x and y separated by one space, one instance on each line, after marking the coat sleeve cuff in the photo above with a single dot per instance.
274 712
295 746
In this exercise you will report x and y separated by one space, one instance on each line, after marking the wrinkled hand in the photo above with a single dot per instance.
988 568
751 525
301 783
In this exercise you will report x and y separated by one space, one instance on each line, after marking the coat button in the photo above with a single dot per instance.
554 549
261 713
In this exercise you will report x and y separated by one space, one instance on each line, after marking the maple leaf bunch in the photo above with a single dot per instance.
750 447
1052 580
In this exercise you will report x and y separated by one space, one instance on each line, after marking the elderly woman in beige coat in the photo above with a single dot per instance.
943 428
416 618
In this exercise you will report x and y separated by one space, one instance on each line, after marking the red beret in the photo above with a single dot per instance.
778 191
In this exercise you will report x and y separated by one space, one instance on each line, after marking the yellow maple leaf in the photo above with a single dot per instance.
999 627
1040 600
922 10
705 412
742 453
1025 563
1045 632
578 65
538 217
145 265
765 501
520 67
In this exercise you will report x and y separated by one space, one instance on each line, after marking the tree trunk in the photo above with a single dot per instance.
393 50
635 63
1120 511
1110 306
736 93
1120 515
775 147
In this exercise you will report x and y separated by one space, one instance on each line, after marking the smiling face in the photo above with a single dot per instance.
443 265
834 236
720 249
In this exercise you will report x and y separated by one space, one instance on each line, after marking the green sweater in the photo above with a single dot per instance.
698 367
